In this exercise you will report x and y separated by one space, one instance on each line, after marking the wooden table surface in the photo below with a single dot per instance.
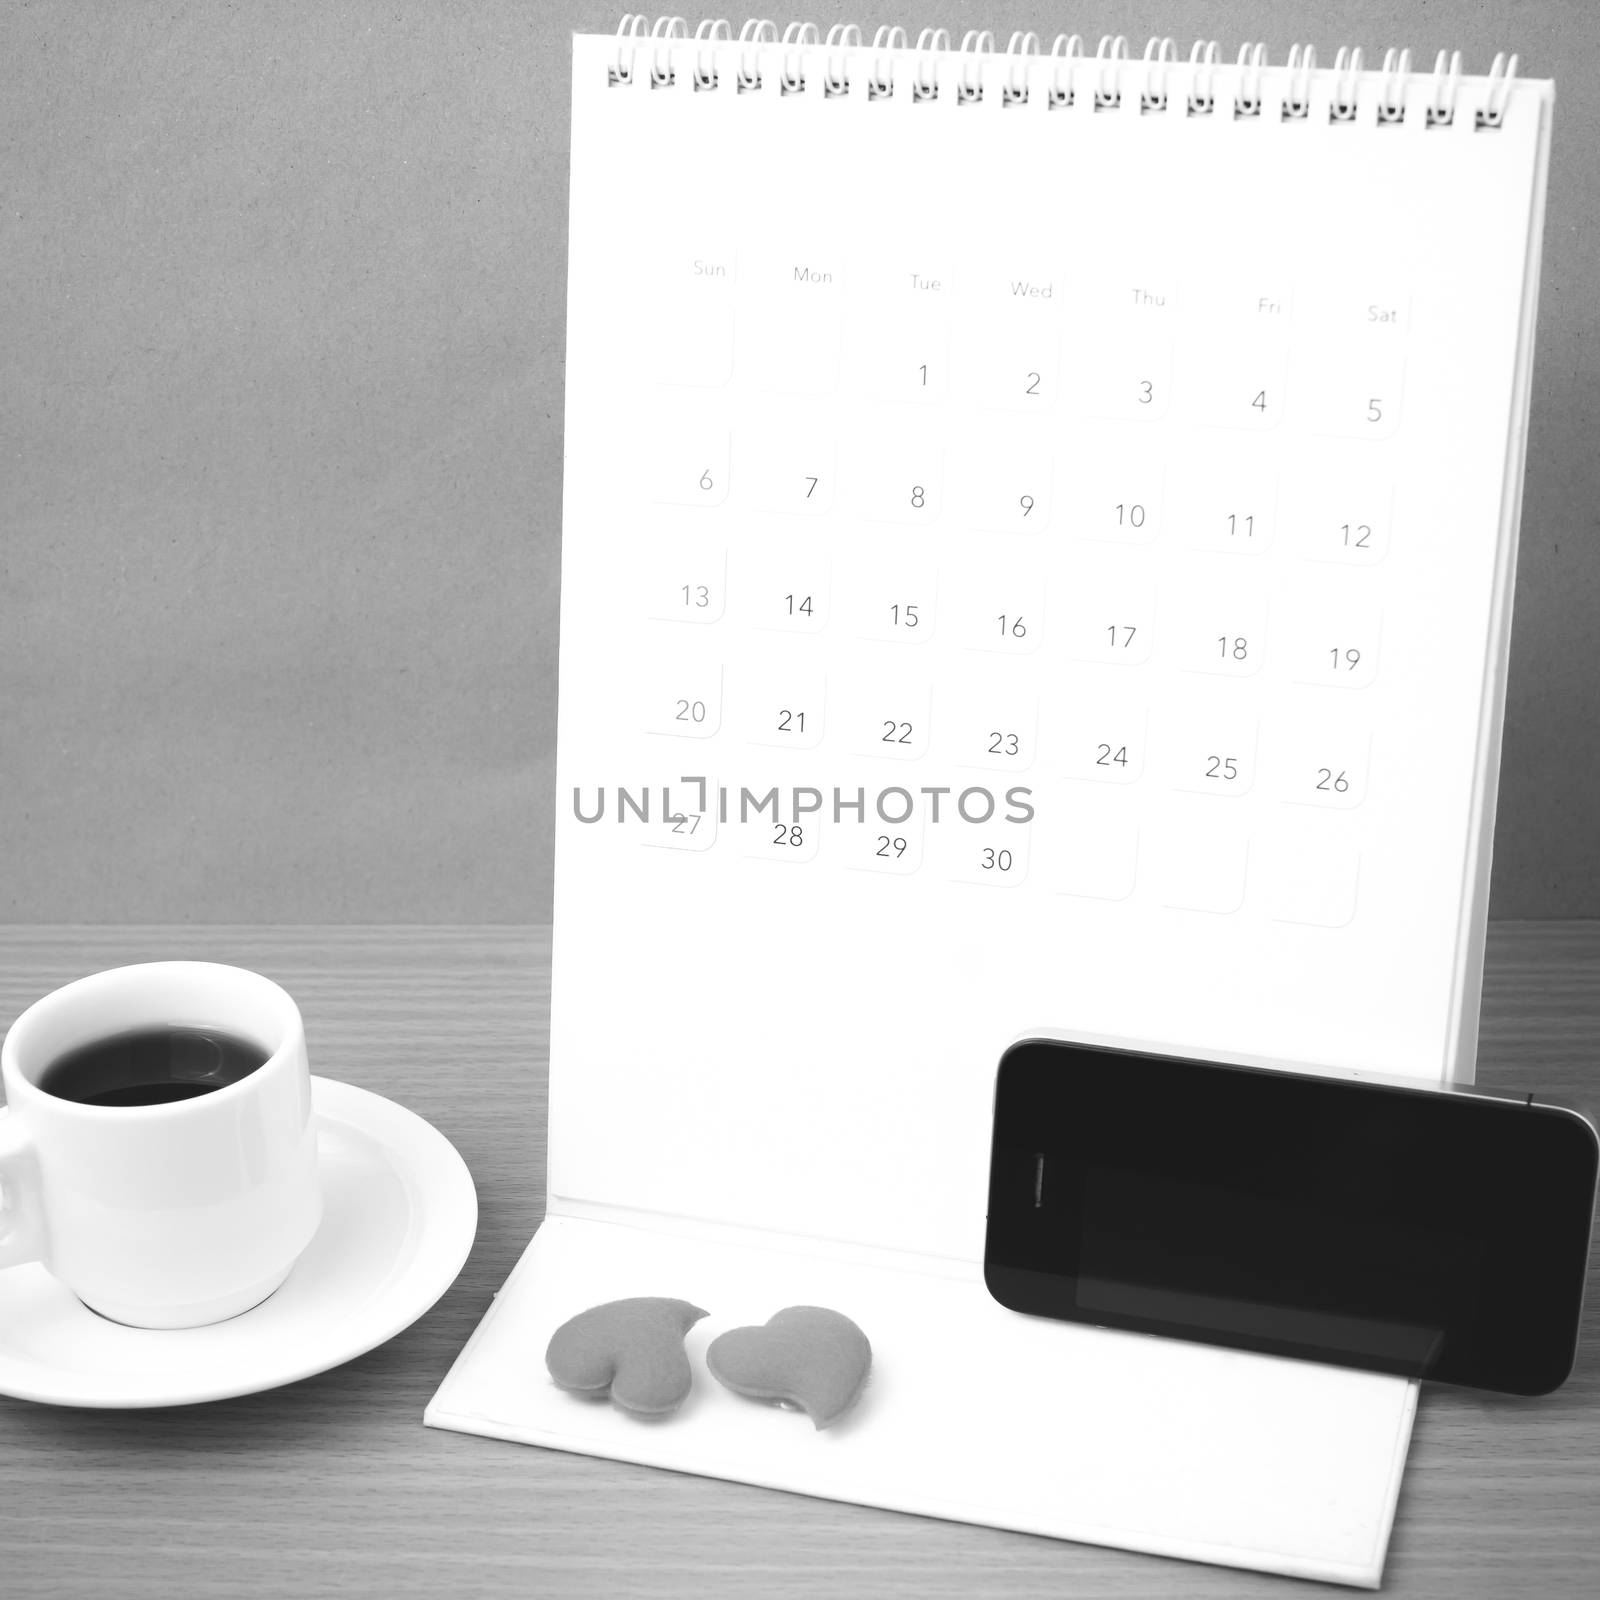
333 1486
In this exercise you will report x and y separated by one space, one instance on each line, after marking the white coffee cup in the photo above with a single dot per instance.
161 1216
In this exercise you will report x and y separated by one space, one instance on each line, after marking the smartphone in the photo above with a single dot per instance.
1436 1233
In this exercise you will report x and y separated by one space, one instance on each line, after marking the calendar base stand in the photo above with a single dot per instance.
972 1413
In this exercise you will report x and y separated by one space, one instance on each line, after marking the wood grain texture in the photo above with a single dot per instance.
334 1487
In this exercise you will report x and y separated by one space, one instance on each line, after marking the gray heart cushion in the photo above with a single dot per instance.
632 1349
806 1356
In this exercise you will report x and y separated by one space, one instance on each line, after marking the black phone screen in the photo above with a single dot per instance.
1425 1232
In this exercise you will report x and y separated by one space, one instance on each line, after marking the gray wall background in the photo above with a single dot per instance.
281 303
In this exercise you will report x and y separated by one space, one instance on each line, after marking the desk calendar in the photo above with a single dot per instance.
1037 557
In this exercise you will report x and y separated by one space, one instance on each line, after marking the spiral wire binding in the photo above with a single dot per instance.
841 37
1204 54
1302 63
1252 63
1111 52
880 84
1493 112
1441 110
1021 46
1346 70
1157 54
707 33
973 44
1105 74
1391 98
747 78
665 31
792 78
930 42
1067 48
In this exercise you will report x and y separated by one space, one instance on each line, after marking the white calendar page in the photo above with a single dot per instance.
1164 467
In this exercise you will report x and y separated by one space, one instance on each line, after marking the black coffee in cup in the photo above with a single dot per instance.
151 1066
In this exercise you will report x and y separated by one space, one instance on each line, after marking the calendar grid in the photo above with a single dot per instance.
867 504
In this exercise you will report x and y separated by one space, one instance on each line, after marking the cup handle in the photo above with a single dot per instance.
21 1217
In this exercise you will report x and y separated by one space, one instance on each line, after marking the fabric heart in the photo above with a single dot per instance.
807 1356
633 1348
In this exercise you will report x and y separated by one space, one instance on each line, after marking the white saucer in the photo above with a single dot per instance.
399 1216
